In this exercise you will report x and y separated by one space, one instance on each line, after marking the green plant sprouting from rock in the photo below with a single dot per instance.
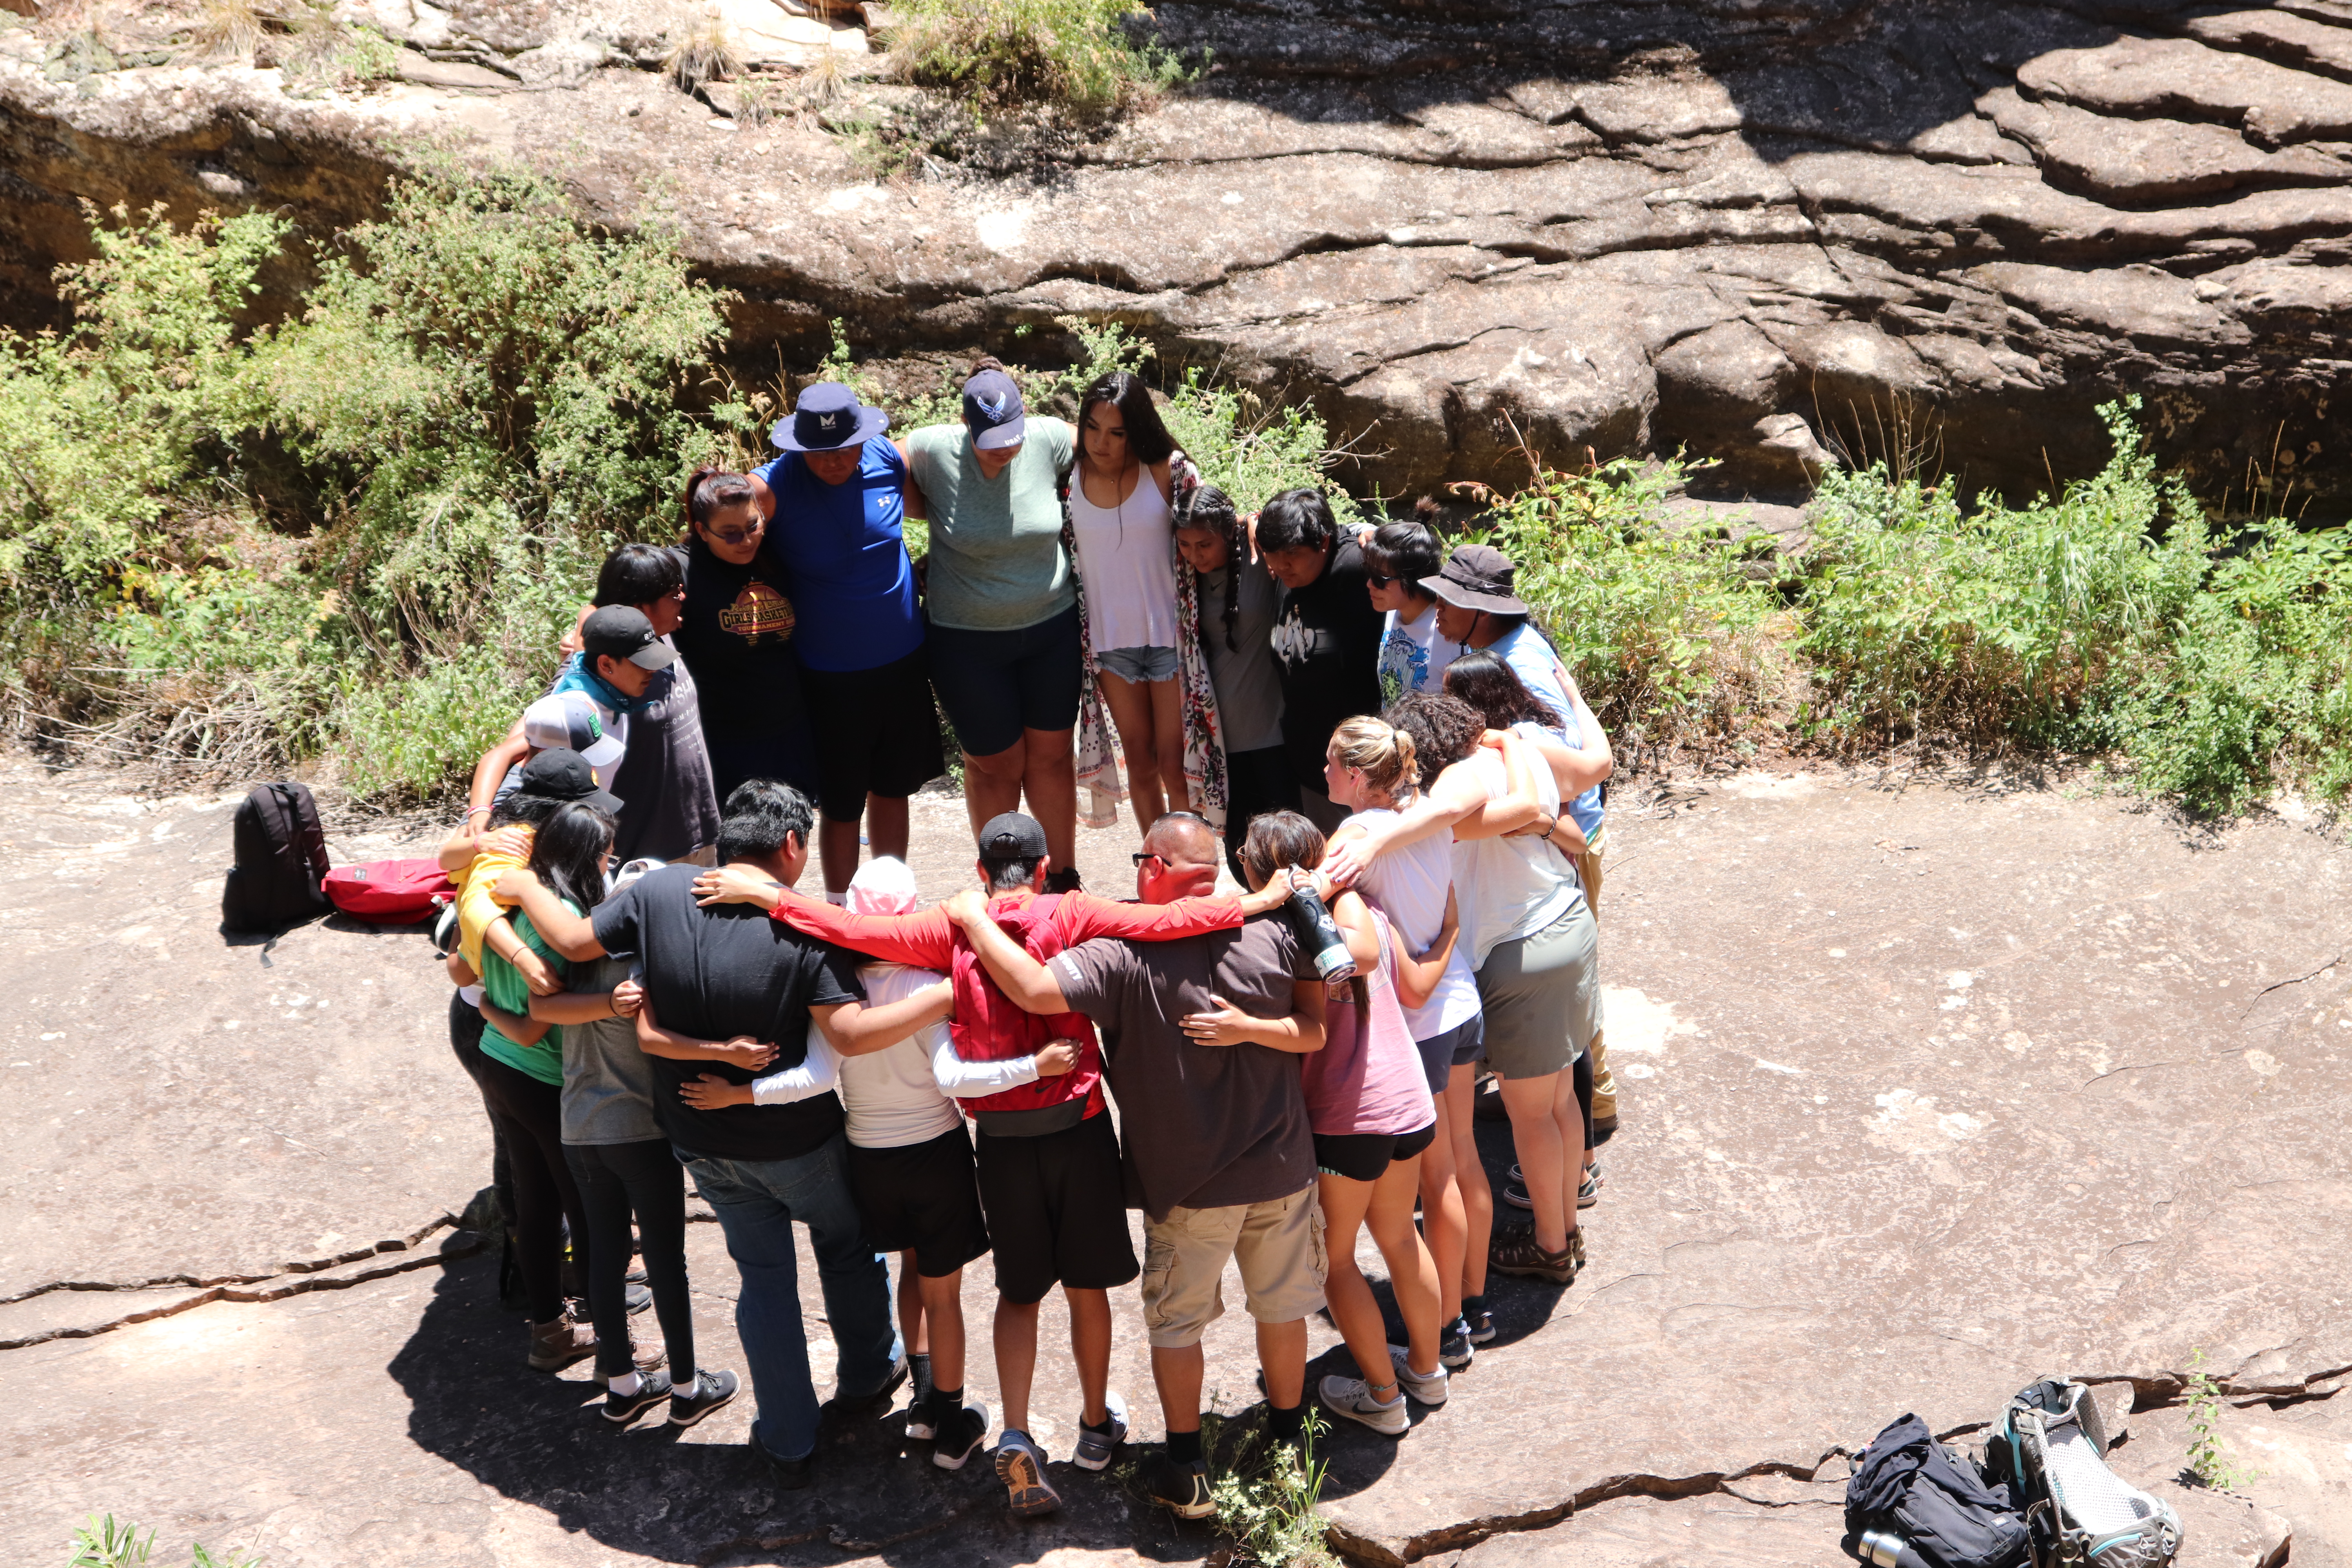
1085 57
2209 1457
103 1544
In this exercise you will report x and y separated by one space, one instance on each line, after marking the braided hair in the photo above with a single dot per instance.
1213 511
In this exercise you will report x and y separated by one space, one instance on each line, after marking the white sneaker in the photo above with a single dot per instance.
1429 1389
1352 1397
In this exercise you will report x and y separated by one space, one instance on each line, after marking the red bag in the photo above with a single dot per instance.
390 893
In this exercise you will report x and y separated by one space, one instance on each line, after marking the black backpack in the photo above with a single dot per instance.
281 855
1912 1503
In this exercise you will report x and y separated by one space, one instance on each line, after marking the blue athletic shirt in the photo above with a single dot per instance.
1531 659
853 584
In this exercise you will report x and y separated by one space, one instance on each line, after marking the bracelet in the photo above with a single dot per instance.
474 811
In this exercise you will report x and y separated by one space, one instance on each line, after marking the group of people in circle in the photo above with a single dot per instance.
1284 702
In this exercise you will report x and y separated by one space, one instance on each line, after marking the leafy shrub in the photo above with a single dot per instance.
1675 646
1089 57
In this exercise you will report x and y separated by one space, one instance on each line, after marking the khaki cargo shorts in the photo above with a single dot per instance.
1279 1244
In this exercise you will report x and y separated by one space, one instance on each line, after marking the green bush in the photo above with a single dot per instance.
1086 56
1675 644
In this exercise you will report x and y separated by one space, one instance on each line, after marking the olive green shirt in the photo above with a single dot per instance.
997 562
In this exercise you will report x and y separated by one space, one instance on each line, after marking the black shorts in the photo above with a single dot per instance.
1457 1046
876 732
1365 1156
1057 1211
994 685
921 1196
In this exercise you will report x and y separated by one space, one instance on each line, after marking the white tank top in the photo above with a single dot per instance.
1510 888
1127 556
1409 886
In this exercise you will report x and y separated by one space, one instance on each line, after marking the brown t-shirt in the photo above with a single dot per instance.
1205 1126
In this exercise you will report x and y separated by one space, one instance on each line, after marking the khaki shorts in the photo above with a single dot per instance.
1587 868
1278 1244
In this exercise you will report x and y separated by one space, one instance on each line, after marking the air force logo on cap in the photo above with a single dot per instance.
828 418
991 411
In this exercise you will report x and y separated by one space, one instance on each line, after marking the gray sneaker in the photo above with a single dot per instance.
1352 1397
1095 1447
1429 1389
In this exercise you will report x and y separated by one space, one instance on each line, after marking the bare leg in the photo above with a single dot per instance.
1168 744
1176 1372
1569 1116
1470 1175
1016 1360
1441 1216
1050 778
886 825
911 1301
1543 1157
1131 713
1412 1273
942 1304
836 847
992 787
1353 1309
1090 1348
1281 1352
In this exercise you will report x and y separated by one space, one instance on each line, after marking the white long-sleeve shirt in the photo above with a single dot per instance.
905 1093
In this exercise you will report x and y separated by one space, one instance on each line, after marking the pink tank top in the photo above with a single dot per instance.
1368 1076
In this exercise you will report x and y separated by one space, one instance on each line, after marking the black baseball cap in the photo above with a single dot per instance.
564 775
618 631
991 411
1011 836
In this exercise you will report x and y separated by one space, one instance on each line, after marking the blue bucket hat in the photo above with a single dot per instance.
828 417
991 411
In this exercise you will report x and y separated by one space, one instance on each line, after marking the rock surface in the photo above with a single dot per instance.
1771 234
1928 1091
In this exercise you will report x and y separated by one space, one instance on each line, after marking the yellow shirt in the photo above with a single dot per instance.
476 907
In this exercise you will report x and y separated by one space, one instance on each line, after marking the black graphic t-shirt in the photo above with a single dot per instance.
737 637
1327 649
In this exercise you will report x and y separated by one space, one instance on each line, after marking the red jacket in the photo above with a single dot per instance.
989 1025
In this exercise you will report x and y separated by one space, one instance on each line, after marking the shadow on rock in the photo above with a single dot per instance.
702 1497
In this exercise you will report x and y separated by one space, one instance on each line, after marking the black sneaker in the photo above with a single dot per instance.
958 1435
1183 1490
638 1298
899 1372
1477 1326
653 1387
710 1390
790 1475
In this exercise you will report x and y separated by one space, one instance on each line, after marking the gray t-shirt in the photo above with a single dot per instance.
669 808
608 1084
1204 1126
1249 690
997 562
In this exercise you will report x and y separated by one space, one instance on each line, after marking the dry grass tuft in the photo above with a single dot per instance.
701 50
232 28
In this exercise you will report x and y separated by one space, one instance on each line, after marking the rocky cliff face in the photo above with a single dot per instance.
1776 233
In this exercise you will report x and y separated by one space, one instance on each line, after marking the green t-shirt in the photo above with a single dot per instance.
997 562
503 983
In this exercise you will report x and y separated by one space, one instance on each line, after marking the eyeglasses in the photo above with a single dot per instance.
1140 856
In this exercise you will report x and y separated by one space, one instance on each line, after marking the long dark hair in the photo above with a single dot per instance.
1494 689
1445 730
1280 839
1148 441
568 853
1213 511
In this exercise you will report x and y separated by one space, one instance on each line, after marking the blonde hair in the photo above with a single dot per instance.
1380 750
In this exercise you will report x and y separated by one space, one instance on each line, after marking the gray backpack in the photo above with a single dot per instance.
2050 1448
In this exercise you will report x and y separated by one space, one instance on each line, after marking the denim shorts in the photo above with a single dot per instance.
1143 664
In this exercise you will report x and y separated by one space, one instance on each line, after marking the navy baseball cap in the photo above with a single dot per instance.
826 418
563 774
991 411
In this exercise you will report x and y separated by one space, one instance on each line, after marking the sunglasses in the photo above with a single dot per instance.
1378 579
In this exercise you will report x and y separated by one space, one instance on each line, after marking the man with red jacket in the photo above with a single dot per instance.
1047 1160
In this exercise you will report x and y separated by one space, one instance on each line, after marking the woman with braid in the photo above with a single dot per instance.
1239 601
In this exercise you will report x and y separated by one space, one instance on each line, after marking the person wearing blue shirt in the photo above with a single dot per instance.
835 501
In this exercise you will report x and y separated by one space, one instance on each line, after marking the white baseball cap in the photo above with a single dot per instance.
883 887
569 721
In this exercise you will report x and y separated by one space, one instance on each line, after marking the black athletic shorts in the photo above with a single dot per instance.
1365 1156
920 1195
876 732
1056 1210
994 685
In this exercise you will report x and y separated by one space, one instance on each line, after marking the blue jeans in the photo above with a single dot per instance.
757 1202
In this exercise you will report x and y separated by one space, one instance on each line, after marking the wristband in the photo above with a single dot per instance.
474 811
